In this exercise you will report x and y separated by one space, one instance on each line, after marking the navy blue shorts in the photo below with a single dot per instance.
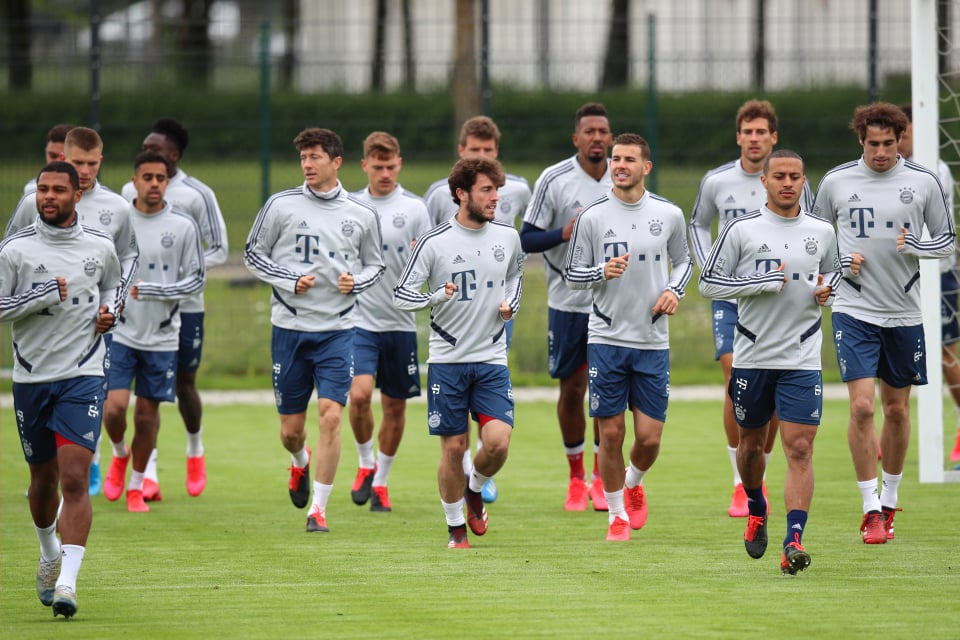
566 342
796 396
896 355
725 316
155 372
622 377
71 408
191 341
391 358
303 359
459 391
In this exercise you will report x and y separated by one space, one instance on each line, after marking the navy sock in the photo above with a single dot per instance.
756 503
796 521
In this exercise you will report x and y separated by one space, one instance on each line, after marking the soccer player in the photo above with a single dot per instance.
170 138
880 204
780 264
318 247
480 136
60 289
145 346
950 331
99 208
726 192
629 249
473 268
560 192
52 150
385 338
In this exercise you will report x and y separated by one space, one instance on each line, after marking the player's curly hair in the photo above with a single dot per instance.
464 174
882 115
174 131
753 109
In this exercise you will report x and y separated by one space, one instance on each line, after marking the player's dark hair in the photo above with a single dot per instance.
325 138
882 115
174 131
145 157
464 174
588 109
636 140
782 153
58 132
59 166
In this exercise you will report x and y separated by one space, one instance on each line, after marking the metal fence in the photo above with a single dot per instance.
359 45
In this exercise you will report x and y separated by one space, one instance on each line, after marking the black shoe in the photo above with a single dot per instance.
794 559
380 500
458 537
360 491
317 521
300 484
755 537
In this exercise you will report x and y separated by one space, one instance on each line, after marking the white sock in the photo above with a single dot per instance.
136 481
891 484
384 462
194 443
467 462
479 444
120 449
732 452
870 494
477 480
365 452
70 565
634 476
96 453
151 470
300 459
766 464
49 542
615 505
321 493
453 511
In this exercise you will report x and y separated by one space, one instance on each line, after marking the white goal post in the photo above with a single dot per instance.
926 133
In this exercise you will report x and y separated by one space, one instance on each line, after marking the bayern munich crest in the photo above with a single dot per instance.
498 253
166 239
399 220
106 217
810 246
906 195
656 227
89 267
346 228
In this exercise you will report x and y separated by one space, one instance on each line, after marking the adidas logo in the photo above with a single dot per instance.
730 200
459 259
854 198
88 436
40 269
797 526
764 248
303 225
815 414
610 234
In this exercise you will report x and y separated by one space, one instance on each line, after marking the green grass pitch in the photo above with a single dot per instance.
236 561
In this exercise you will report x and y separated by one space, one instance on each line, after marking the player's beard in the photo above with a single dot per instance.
476 213
60 219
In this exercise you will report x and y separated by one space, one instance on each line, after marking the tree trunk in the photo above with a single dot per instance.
194 45
288 63
379 47
616 62
19 38
466 92
409 62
